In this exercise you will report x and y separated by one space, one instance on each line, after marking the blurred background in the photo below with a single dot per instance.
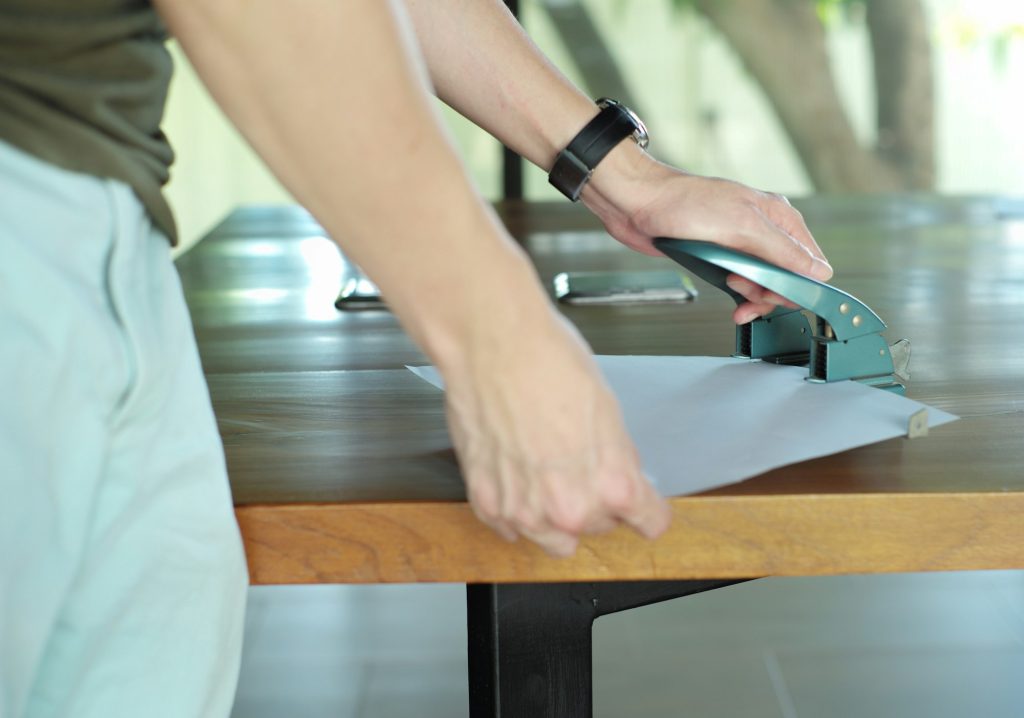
795 96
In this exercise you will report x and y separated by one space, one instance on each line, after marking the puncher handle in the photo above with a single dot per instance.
847 315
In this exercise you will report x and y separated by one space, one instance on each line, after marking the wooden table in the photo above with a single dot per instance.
342 471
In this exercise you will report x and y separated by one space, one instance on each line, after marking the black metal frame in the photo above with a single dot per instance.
511 163
530 643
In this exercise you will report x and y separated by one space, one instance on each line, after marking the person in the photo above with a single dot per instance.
122 579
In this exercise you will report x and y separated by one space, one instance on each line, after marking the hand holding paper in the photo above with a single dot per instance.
702 422
542 445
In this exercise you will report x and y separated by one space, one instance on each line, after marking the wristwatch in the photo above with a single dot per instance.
575 164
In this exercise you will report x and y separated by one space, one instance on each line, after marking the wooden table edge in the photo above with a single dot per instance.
710 537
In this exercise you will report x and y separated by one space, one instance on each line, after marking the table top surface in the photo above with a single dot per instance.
332 445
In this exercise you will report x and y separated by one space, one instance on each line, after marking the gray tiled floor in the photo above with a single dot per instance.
983 681
941 645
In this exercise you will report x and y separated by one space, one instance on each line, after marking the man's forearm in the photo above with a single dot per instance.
332 96
484 66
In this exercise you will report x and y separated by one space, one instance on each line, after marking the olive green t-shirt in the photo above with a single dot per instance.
83 85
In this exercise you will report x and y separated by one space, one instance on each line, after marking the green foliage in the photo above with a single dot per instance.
1002 39
965 33
830 11
955 29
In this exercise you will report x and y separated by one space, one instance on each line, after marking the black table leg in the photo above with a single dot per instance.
530 643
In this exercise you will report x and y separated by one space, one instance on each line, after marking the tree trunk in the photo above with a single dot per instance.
593 58
782 45
904 88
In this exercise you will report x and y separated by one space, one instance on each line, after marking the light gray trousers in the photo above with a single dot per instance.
122 576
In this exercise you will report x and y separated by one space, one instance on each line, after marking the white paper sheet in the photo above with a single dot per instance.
702 422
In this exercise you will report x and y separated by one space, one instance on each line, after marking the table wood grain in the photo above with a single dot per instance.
342 470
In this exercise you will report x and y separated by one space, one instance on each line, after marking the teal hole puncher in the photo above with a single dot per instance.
844 340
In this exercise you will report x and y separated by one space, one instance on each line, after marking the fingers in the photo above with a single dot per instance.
559 544
792 222
761 236
760 300
555 519
749 311
542 445
727 213
650 515
777 210
755 293
485 502
534 522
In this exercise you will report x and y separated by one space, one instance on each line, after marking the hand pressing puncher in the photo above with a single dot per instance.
844 342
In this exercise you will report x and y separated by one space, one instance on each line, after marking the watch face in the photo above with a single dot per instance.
640 133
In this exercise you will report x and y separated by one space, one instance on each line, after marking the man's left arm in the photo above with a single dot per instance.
483 65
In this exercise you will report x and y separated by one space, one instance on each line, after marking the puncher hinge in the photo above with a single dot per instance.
844 341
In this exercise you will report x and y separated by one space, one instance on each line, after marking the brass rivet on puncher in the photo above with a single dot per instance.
857 320
844 308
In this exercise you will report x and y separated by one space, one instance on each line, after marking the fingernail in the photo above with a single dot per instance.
733 284
821 269
746 317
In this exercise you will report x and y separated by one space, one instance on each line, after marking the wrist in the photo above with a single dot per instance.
575 164
557 135
623 184
491 314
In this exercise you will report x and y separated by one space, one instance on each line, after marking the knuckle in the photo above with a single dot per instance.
489 515
524 519
751 211
485 502
750 226
568 517
744 237
567 504
755 294
620 492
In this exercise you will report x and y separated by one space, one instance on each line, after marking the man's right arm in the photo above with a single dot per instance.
334 97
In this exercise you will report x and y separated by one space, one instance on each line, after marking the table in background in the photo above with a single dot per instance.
342 471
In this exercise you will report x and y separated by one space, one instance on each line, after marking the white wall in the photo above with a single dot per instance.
215 170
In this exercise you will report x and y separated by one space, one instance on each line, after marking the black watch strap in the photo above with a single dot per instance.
574 164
